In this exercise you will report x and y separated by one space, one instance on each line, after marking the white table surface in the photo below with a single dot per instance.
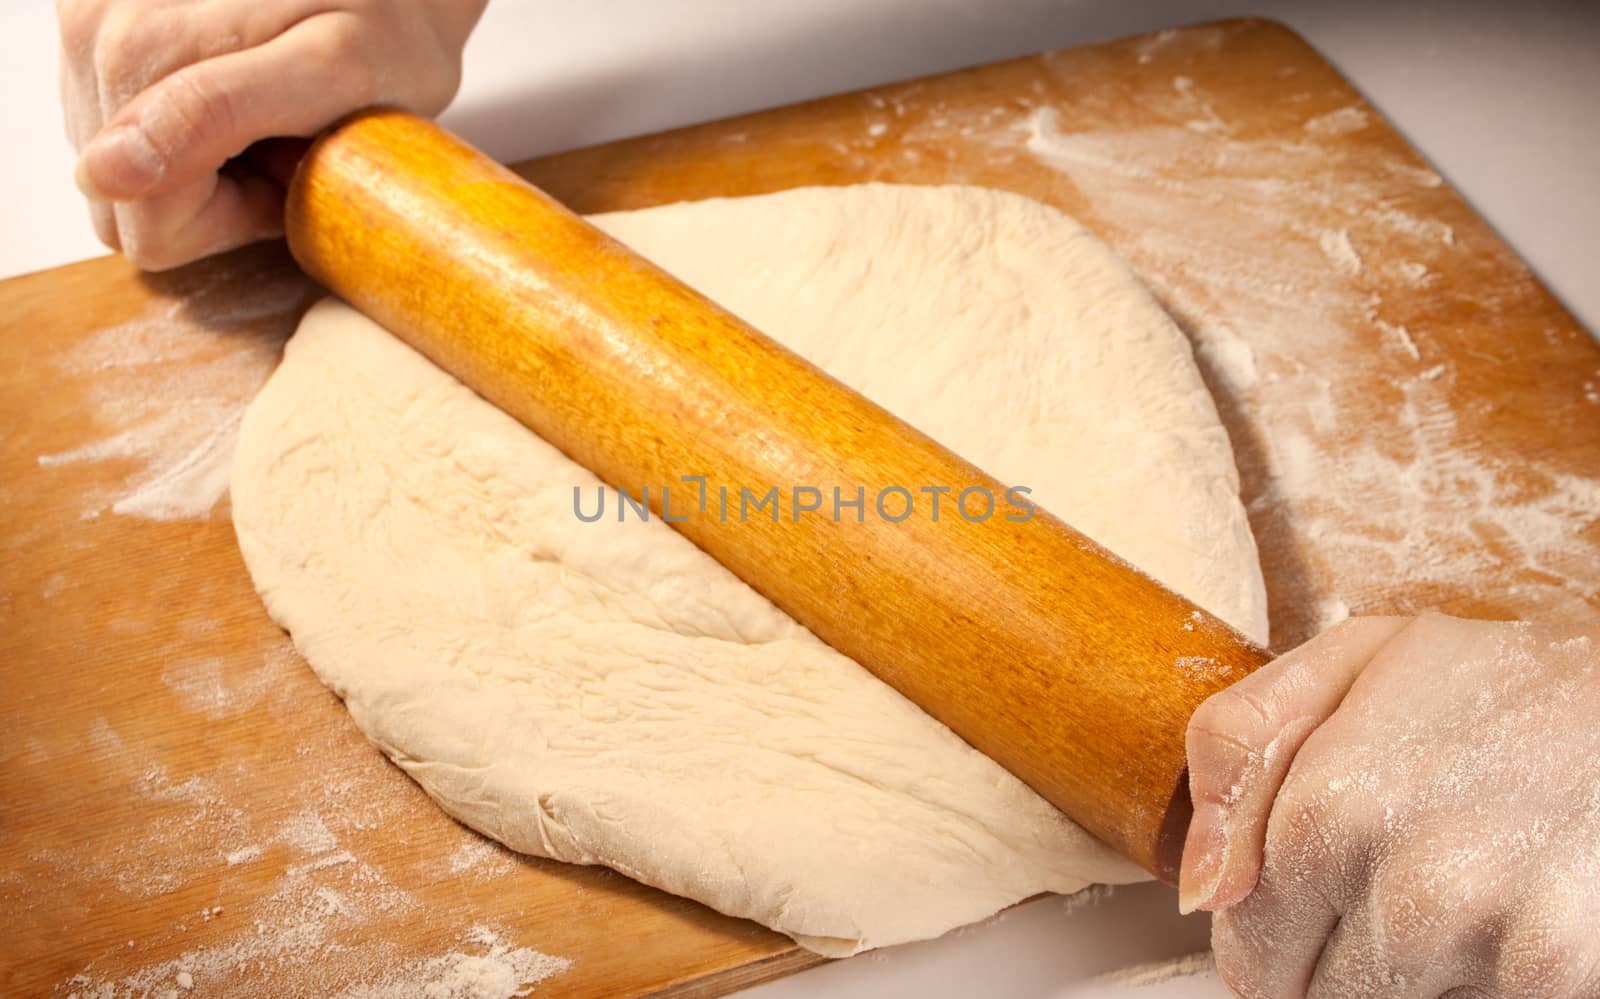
1503 98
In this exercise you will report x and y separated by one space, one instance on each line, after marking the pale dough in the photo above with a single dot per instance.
608 694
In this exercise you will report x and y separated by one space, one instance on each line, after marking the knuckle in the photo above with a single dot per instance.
79 23
199 108
1232 719
76 25
118 53
342 39
1408 924
1542 955
1306 812
340 36
1237 705
1311 830
1427 907
440 88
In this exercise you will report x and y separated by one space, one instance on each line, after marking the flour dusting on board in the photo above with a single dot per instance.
480 858
1341 122
307 890
498 971
482 966
1276 255
206 684
173 382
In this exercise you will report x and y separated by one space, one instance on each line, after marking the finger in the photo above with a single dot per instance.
221 212
81 116
130 46
1240 744
80 110
1361 958
194 120
1548 946
1268 947
104 221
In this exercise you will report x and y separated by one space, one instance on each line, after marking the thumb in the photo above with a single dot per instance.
1240 744
186 126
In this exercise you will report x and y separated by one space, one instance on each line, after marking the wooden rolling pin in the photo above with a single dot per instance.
1067 666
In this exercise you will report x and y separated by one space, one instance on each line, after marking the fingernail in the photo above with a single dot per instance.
119 164
1205 857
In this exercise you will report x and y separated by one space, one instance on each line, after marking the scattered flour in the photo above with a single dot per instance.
173 382
1202 668
1336 244
1157 972
1415 274
1340 122
314 926
307 833
1088 898
1403 338
1401 223
216 688
482 966
1230 356
498 972
1256 246
1330 612
480 857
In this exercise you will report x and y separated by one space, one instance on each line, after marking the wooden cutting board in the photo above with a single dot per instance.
1417 424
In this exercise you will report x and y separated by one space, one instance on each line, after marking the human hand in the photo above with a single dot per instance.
161 95
1403 807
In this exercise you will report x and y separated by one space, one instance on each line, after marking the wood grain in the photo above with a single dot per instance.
156 723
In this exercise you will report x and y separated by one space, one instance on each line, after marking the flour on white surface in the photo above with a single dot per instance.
1158 972
607 693
1088 898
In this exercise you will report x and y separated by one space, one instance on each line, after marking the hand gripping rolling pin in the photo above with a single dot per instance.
1040 648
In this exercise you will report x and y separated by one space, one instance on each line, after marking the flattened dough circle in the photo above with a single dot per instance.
606 693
